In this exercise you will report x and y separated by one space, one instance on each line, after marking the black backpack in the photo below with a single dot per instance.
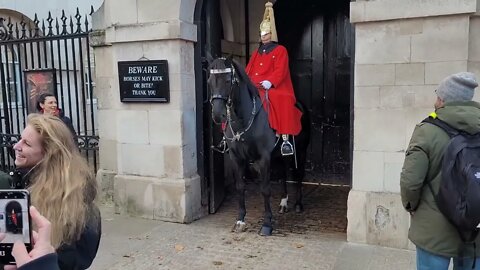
458 197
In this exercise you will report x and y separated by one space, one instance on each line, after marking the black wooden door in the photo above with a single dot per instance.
318 39
336 160
210 163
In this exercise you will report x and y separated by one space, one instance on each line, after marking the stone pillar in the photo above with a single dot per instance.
403 50
148 159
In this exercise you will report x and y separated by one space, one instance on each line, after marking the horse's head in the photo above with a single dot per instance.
221 82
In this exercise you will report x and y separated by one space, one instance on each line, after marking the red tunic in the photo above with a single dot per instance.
272 65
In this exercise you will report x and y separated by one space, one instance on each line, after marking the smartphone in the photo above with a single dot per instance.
14 222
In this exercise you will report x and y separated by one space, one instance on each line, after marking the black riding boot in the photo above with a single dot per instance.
221 147
287 148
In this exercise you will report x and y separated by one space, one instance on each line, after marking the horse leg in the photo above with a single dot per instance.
298 175
239 172
283 207
266 190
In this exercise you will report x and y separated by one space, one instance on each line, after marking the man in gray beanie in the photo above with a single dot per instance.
457 87
437 241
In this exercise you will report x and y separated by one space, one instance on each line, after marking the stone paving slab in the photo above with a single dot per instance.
133 243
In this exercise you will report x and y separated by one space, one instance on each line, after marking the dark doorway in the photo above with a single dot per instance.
210 163
319 39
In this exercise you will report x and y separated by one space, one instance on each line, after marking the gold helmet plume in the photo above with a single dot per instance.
268 23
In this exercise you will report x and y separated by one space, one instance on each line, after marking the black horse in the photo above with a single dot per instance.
236 103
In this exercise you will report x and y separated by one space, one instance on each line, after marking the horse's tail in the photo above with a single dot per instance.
300 106
305 120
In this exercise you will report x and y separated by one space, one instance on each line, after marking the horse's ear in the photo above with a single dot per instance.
209 57
230 57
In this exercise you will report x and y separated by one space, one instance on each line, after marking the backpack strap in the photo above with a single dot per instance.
433 120
467 240
452 132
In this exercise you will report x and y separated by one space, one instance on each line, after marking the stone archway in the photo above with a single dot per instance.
187 10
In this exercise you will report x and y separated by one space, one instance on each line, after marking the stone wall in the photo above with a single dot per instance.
401 56
148 161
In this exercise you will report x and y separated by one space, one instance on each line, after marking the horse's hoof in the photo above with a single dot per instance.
239 227
266 231
298 208
282 209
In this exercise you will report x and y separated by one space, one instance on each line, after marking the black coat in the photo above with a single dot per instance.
75 256
67 122
80 254
47 262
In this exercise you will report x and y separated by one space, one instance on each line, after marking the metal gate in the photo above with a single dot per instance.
51 55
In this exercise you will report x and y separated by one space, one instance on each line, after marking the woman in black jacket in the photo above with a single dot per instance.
62 187
47 104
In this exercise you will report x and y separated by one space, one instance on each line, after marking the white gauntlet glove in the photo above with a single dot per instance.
266 84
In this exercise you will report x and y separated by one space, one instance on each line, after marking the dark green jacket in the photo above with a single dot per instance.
4 180
429 229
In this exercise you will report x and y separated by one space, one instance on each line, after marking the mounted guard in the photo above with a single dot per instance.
268 69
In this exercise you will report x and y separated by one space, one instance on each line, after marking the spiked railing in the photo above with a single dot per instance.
50 27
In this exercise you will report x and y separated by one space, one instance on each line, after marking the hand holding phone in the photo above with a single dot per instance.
14 222
42 243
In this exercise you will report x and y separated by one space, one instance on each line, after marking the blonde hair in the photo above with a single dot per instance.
62 186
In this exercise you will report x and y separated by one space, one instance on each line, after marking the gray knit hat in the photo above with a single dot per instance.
457 87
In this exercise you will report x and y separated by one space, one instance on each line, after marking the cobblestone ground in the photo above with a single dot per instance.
305 241
325 209
209 248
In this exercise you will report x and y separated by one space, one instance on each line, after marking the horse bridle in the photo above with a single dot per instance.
234 81
236 135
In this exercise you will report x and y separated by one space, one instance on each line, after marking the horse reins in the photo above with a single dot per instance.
236 135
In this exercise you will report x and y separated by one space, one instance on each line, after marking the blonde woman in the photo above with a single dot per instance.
62 188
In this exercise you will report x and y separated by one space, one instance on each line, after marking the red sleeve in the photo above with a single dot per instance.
280 66
250 63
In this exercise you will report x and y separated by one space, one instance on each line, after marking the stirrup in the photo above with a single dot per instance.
222 146
286 148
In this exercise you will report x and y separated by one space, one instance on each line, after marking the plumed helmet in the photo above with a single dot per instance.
268 22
